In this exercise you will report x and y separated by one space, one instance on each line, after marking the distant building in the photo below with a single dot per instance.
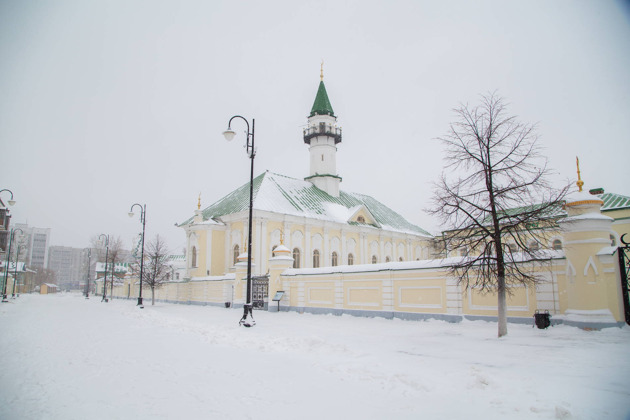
36 241
48 288
5 218
177 264
69 265
18 273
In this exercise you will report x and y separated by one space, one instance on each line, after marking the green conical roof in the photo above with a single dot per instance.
322 105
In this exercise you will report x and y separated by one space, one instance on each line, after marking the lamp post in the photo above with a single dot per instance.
17 259
11 203
87 284
6 269
248 319
106 256
143 219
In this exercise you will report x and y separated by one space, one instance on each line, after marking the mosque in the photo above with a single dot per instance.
321 224
319 249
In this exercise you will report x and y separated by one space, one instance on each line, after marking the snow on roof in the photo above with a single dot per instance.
118 267
227 276
587 216
20 266
614 201
284 195
445 263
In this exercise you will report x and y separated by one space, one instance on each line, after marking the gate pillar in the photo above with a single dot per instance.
592 289
277 264
240 279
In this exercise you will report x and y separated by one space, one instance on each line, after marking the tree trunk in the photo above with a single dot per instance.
502 307
152 295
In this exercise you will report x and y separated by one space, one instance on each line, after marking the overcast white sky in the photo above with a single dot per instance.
107 103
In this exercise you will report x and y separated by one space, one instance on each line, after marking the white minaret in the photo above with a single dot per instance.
322 136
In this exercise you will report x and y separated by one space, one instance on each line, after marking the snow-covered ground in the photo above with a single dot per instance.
65 357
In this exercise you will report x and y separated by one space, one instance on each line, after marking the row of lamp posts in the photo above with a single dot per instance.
11 202
143 212
247 319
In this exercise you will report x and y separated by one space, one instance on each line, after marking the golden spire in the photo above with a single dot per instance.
321 72
579 181
282 237
199 202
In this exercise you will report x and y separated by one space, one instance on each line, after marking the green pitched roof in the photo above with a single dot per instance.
614 201
322 105
283 195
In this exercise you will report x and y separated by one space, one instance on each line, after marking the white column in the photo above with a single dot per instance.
381 258
308 257
262 245
326 250
363 248
228 248
209 251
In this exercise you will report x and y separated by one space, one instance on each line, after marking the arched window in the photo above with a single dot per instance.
236 253
334 259
613 240
315 259
557 244
387 259
194 257
361 219
350 259
374 259
400 259
534 246
273 250
296 258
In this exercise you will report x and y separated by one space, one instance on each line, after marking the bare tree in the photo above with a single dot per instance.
156 269
115 256
43 276
495 198
100 254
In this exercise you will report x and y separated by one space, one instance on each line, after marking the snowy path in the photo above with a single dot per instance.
64 357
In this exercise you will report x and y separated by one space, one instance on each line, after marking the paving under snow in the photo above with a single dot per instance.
65 357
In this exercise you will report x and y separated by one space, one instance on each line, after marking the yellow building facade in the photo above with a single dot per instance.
581 282
319 249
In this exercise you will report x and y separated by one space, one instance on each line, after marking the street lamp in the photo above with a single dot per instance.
11 201
248 318
87 285
6 269
17 259
143 219
106 256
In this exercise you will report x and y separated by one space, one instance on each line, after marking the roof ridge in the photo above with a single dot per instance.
282 194
614 201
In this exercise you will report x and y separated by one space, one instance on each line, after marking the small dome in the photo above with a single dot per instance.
581 198
281 249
